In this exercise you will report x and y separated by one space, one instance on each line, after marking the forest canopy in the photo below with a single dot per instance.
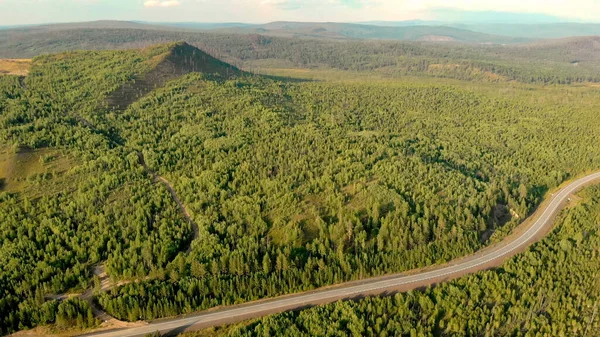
289 185
550 290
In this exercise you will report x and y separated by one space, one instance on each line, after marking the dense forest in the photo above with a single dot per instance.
292 185
103 208
351 188
551 290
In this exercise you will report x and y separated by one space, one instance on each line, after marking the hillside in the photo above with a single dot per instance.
179 59
575 50
60 150
531 294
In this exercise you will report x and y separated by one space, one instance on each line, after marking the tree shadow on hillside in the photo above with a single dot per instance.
286 79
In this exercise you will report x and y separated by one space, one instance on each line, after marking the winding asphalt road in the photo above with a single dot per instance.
486 258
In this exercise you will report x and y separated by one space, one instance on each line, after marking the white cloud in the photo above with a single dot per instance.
158 3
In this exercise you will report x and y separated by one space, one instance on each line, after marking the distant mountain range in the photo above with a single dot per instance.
450 15
524 30
536 31
499 32
359 31
414 30
201 25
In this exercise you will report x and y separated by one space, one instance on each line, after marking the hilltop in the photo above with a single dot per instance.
177 60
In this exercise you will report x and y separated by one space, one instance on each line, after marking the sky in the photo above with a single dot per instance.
15 12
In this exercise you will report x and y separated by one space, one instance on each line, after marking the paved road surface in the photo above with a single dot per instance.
403 282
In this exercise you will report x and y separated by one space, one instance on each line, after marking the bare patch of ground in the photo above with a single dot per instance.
437 38
19 67
54 332
26 170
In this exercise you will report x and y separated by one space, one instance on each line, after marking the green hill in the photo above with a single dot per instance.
292 185
177 60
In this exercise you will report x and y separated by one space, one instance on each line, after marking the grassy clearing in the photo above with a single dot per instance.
19 67
300 225
34 172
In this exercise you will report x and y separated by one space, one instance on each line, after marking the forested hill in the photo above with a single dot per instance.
73 193
177 60
550 290
292 185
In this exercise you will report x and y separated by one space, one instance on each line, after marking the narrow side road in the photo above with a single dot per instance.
531 231
105 282
182 208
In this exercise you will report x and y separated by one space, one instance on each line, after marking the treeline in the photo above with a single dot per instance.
560 62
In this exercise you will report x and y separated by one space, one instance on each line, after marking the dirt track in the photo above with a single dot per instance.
167 184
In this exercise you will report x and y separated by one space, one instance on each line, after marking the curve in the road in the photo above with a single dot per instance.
479 261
